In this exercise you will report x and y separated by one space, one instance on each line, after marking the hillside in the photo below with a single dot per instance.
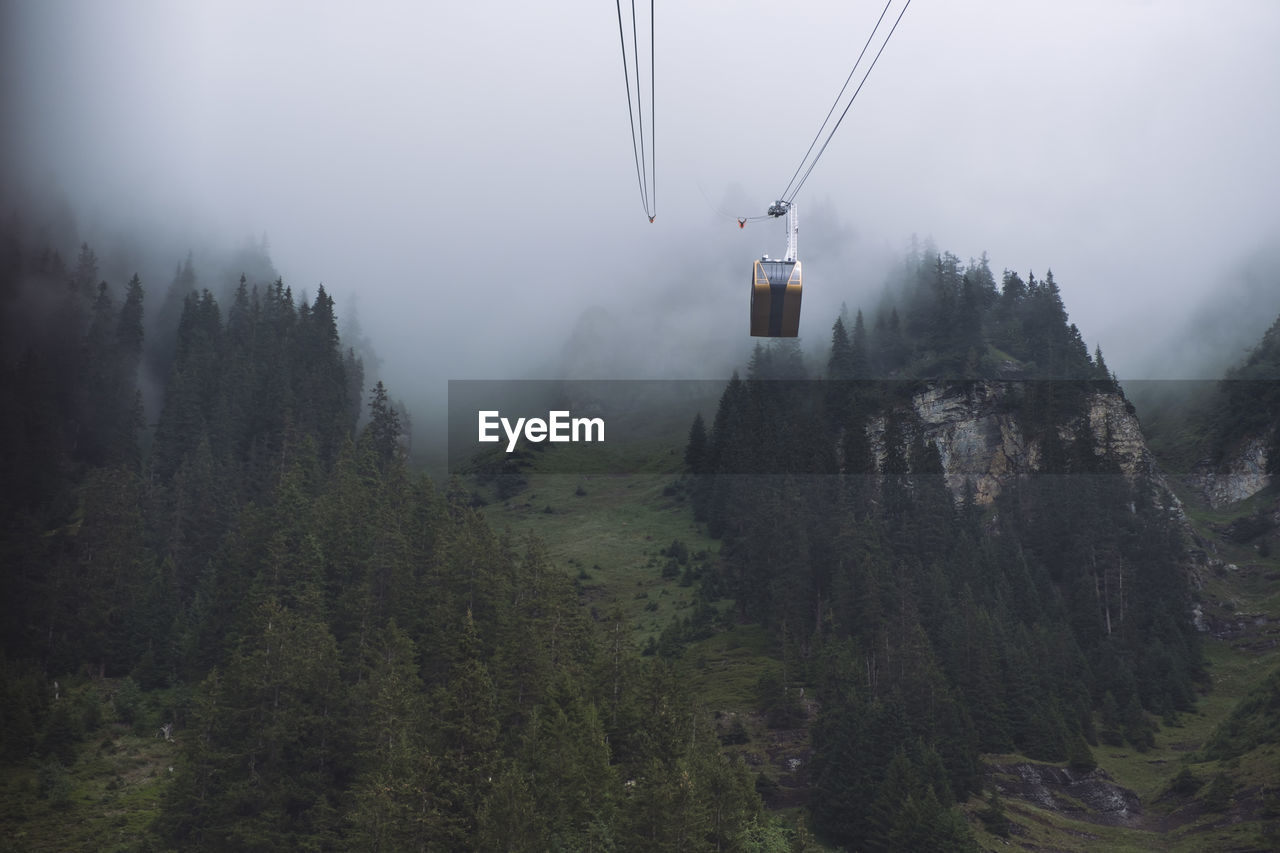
908 546
1157 778
924 588
253 626
1132 800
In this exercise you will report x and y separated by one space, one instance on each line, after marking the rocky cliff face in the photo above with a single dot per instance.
981 438
1242 475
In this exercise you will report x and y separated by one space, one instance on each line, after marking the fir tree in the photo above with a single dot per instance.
840 364
384 429
695 453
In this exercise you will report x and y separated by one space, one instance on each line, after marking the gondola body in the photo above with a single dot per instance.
775 298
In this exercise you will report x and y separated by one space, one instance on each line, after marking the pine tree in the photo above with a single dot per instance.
465 735
397 803
971 340
859 351
695 453
510 819
384 429
167 319
893 351
261 770
573 782
1099 366
102 583
129 333
840 364
85 277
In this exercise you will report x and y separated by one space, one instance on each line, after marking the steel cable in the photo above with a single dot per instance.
635 109
871 68
836 102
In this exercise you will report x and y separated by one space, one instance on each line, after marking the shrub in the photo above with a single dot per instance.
736 734
1185 783
1217 796
993 816
53 783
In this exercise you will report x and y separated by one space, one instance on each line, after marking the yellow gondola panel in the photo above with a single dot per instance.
775 298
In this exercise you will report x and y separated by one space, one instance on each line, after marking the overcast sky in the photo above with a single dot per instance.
466 167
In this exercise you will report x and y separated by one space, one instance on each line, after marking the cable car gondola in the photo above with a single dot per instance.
775 284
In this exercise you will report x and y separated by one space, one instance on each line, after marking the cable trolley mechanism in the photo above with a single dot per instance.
775 284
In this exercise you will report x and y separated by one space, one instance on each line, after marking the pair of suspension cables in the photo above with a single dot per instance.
645 174
646 170
793 186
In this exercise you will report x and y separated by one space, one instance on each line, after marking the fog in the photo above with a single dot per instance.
466 168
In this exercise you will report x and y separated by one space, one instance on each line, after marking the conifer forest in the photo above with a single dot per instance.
248 621
414 437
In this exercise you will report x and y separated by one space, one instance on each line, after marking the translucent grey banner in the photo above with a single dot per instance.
980 430
573 426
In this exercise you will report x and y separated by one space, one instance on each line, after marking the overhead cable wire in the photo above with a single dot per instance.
653 116
796 191
644 166
635 109
836 102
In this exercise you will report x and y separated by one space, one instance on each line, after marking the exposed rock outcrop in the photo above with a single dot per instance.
1089 795
979 440
982 440
1241 475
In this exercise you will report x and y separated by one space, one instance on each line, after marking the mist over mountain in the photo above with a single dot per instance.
939 574
1226 324
1077 138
